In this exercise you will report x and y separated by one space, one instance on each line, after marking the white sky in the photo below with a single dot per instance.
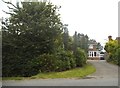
96 18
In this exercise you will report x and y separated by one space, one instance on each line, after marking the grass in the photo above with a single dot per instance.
74 73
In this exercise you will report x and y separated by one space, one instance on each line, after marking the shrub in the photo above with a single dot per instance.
72 59
113 49
117 56
15 66
46 62
66 60
114 56
81 57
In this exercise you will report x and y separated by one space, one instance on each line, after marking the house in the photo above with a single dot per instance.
93 52
118 39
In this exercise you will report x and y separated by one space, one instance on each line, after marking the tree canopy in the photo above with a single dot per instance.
32 29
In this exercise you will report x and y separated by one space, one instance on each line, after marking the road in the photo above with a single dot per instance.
106 75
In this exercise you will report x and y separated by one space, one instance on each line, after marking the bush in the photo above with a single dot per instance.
117 56
46 62
114 56
15 66
72 59
60 61
81 57
66 60
113 49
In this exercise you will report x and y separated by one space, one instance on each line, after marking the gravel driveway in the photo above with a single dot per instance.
106 75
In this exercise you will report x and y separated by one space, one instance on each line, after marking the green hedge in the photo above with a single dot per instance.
60 61
18 66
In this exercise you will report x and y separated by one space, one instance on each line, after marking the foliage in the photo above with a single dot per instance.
46 63
73 73
112 47
75 44
65 37
61 61
66 60
34 41
81 41
32 29
80 57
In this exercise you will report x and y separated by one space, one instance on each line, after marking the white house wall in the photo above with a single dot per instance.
92 53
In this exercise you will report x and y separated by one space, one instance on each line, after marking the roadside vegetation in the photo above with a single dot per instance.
77 73
112 48
35 41
73 73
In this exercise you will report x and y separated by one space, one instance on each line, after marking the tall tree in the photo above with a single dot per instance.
75 42
86 43
32 29
65 37
99 46
79 40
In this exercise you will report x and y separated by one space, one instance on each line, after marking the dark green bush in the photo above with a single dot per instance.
60 61
16 66
46 62
81 58
72 59
66 60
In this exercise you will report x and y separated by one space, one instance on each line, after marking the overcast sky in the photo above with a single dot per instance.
96 18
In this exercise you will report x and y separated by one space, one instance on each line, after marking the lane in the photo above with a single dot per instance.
63 82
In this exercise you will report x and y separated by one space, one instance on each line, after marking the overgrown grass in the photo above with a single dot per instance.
74 73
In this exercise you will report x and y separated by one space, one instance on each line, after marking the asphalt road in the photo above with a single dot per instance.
106 75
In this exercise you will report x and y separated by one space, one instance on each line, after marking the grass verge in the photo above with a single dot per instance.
74 73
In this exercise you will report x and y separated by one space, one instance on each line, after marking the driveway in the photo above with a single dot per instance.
106 75
104 70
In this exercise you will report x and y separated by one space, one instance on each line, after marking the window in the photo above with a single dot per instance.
95 54
90 54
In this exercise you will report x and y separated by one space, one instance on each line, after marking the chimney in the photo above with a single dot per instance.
110 37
